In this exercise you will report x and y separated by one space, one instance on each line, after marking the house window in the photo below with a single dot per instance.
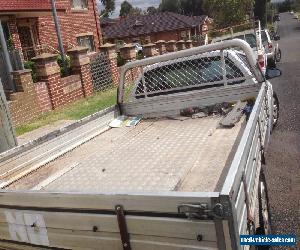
183 34
79 4
86 41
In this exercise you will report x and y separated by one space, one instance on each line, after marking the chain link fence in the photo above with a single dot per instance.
102 73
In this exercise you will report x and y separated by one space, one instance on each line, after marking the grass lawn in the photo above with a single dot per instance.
73 111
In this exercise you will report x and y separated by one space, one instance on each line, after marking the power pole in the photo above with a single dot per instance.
58 33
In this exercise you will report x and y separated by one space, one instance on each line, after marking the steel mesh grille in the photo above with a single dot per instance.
189 72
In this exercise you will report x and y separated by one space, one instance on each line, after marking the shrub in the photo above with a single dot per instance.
120 60
30 65
64 69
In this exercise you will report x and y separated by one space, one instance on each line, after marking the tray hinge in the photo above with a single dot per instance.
123 227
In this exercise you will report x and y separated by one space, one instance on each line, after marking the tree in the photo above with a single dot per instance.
288 5
170 5
126 8
151 10
227 12
260 7
109 7
191 7
136 12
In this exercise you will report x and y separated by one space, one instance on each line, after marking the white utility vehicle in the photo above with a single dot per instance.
254 38
271 47
188 176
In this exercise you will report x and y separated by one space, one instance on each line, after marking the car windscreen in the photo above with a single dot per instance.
264 37
249 38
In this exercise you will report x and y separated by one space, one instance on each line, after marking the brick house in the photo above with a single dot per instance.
151 28
29 24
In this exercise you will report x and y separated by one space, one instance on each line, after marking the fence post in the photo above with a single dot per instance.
161 46
180 45
80 64
7 134
150 50
128 52
48 71
189 44
171 46
110 50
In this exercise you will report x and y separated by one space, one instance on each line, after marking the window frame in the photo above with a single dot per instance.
83 2
92 47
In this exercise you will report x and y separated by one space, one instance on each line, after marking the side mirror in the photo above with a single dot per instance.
276 37
272 73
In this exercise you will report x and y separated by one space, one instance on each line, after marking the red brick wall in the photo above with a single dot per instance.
43 97
86 79
12 26
131 75
64 90
72 89
24 105
167 36
72 23
114 71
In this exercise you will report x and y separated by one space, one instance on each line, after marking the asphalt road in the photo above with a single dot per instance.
283 156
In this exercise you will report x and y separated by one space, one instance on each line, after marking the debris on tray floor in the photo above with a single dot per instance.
123 120
232 112
234 115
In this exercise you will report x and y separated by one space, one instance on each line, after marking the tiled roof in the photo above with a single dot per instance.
143 25
26 5
107 20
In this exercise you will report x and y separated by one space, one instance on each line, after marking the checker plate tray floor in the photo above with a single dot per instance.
156 155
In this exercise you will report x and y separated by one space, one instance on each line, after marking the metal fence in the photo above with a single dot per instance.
7 136
102 74
16 63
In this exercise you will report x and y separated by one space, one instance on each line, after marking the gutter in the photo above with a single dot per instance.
97 23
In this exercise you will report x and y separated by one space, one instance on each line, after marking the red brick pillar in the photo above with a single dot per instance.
161 46
129 54
180 45
80 64
150 50
110 50
189 44
48 71
23 80
171 46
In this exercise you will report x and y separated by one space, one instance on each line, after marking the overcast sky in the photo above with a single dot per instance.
143 4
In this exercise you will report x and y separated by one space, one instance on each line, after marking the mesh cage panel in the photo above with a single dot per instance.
197 71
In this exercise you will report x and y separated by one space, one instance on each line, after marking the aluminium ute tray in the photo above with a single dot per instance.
156 155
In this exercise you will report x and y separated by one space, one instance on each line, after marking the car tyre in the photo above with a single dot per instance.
278 55
275 110
264 210
272 63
